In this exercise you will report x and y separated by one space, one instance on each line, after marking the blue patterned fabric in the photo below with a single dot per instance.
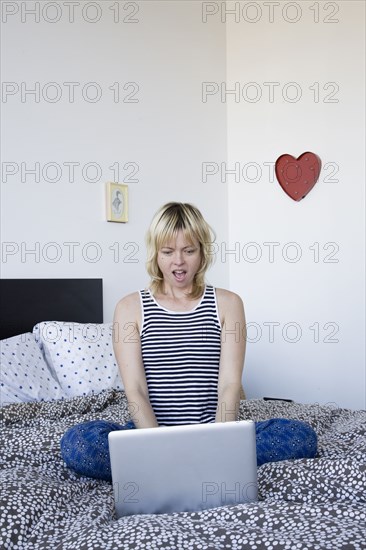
282 439
85 449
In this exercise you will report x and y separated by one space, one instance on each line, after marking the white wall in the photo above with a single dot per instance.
320 355
167 52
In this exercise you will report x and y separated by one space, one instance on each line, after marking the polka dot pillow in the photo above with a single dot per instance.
80 355
25 375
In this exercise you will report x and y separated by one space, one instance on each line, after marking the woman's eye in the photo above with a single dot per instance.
190 251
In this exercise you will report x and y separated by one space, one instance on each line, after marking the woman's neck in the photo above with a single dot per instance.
176 299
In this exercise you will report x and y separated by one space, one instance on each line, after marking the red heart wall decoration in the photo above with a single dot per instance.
298 176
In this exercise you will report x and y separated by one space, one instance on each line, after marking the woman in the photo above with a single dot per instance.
180 350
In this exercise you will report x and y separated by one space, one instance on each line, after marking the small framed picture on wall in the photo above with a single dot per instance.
117 202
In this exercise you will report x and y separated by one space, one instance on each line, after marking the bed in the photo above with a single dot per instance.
303 504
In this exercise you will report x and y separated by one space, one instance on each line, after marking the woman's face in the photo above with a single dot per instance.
179 260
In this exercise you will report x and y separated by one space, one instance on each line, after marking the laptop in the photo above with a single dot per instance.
183 468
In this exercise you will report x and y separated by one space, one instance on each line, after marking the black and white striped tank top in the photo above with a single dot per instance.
181 356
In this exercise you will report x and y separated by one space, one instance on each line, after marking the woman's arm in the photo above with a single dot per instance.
233 343
127 348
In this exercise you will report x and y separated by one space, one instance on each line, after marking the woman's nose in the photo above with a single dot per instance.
178 257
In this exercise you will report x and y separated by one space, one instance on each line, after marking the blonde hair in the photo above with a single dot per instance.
166 223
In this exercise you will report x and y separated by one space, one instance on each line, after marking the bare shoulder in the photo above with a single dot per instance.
229 304
129 306
227 297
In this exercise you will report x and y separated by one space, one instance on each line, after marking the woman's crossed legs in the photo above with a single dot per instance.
85 448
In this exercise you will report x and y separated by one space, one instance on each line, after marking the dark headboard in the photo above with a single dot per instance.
25 302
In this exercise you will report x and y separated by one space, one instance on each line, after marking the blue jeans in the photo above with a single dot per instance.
85 449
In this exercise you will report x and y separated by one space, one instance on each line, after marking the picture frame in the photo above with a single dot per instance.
117 202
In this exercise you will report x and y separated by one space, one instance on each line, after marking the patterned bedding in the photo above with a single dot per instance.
304 504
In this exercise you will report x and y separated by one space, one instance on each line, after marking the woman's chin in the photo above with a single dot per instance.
182 281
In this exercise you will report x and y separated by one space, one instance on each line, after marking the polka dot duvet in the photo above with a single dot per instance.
304 504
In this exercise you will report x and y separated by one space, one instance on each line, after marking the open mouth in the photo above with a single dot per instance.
179 274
